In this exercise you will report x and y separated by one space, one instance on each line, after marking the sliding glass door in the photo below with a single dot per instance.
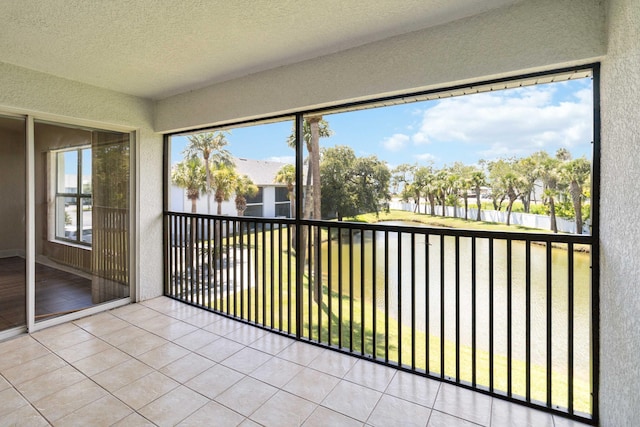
82 198
65 195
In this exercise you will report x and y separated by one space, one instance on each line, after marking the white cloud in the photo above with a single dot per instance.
509 122
395 142
425 157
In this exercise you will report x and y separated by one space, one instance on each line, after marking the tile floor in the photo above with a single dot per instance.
164 363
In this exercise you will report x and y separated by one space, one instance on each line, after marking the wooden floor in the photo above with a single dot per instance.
57 292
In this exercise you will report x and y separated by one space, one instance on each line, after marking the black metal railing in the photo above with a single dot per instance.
504 313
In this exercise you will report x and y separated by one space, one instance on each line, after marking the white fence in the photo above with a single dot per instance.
517 218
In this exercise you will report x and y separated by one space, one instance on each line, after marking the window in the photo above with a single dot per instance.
283 205
73 195
255 204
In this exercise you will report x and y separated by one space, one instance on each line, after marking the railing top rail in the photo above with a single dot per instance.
418 229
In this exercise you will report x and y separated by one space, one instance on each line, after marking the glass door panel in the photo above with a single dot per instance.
12 222
82 218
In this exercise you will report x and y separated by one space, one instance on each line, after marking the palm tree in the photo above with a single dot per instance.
244 187
548 173
287 175
224 181
512 183
314 128
190 174
211 146
576 174
478 179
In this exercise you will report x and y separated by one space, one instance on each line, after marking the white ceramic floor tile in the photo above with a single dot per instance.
173 407
187 367
323 417
246 360
145 390
414 388
277 372
394 412
210 413
465 404
214 381
371 375
282 410
352 400
311 384
246 395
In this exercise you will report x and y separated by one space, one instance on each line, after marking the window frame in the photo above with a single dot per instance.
79 195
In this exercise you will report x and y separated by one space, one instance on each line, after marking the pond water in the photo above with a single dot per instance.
420 259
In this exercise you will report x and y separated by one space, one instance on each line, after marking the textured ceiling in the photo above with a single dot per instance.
158 48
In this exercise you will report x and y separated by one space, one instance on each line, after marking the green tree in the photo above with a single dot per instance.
211 146
576 174
223 180
478 179
528 169
425 180
190 174
244 187
313 128
506 182
548 173
401 176
352 185
287 175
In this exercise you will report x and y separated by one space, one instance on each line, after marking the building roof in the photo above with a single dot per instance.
261 172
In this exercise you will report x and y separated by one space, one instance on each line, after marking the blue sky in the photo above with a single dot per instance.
487 126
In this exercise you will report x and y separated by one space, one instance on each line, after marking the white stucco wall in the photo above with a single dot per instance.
531 35
45 96
620 235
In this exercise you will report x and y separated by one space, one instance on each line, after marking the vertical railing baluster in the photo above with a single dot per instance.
362 292
457 297
570 327
200 270
329 285
340 287
256 272
549 325
234 267
272 277
509 318
474 335
350 289
264 274
528 319
228 265
310 282
413 301
217 266
318 270
210 265
374 297
289 268
386 296
241 224
491 331
442 306
279 253
399 294
427 290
